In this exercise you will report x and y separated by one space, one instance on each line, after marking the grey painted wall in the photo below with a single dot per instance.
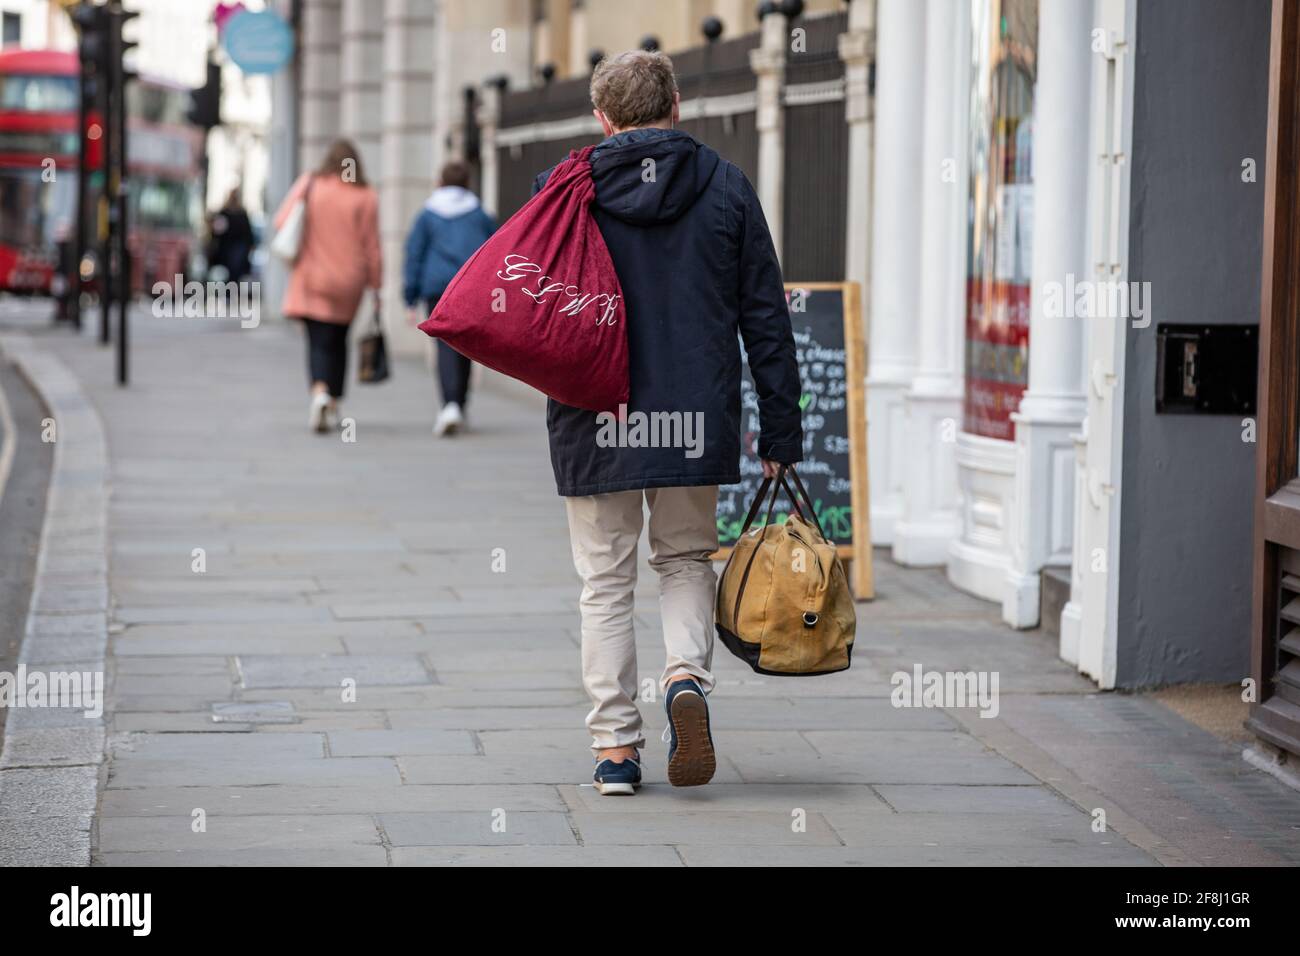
1200 108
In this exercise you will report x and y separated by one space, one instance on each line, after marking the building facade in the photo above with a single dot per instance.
36 25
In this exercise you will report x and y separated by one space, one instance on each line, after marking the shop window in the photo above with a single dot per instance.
1001 213
11 29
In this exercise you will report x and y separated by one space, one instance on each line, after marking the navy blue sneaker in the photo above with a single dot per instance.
618 779
691 761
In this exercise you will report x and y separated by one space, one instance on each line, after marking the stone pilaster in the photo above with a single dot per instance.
361 80
768 64
857 48
895 255
1053 406
320 58
407 146
929 517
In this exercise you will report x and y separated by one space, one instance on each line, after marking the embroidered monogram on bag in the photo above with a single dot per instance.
516 267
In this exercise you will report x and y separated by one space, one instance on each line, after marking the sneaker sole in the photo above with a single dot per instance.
616 789
693 761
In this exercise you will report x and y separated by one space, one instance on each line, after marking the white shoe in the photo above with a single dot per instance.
450 420
320 403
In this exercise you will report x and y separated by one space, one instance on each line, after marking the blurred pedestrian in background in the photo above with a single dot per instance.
338 259
231 246
447 231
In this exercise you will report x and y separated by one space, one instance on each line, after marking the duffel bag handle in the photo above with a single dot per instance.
755 505
780 484
807 500
771 505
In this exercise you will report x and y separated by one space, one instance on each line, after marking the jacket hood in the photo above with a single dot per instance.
624 187
451 202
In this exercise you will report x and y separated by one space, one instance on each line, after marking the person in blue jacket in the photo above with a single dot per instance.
447 231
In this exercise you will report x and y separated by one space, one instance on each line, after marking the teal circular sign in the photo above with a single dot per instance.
257 42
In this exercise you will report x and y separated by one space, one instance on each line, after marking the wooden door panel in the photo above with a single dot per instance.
1275 642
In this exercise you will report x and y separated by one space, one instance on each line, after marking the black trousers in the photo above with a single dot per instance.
453 370
327 354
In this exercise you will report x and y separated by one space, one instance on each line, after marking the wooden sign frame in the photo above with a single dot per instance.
858 554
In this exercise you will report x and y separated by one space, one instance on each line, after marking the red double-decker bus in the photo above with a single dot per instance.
38 164
39 112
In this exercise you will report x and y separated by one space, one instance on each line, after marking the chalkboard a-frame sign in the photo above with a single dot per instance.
825 319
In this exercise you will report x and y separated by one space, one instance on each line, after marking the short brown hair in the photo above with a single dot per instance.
455 173
634 88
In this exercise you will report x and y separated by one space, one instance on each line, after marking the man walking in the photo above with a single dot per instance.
696 265
446 232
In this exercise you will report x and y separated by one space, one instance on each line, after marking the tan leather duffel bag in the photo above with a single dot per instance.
784 604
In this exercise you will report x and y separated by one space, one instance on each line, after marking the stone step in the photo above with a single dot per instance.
1055 592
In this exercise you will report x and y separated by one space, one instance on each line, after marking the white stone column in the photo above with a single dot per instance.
319 122
736 16
1072 613
451 32
857 46
1098 510
768 64
929 517
579 46
361 80
895 254
407 146
283 137
450 135
489 115
1053 406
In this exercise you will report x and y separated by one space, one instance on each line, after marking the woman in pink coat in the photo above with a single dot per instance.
338 259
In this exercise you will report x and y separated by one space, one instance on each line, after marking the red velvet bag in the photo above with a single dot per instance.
540 301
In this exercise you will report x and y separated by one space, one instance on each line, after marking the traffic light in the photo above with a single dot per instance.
120 46
93 47
105 75
205 102
101 45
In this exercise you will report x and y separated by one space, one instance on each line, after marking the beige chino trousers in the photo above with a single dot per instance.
603 532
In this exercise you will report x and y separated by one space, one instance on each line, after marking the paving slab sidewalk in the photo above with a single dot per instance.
366 653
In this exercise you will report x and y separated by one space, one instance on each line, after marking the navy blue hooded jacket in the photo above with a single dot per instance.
447 231
695 261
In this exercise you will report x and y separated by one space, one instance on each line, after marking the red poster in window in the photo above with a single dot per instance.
1001 224
997 356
